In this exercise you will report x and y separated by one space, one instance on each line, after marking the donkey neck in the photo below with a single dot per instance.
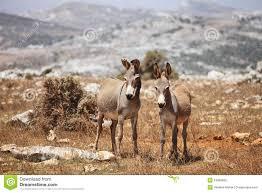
169 106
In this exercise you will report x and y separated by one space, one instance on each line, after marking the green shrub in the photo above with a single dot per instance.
151 58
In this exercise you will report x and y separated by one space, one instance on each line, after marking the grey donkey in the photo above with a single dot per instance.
119 100
175 109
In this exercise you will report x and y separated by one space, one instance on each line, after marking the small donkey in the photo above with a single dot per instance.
118 101
175 109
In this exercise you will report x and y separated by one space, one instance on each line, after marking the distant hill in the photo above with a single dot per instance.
83 15
17 31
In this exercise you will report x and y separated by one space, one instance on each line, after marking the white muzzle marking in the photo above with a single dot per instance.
130 90
161 99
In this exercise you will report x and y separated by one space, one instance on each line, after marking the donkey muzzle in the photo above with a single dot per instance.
130 92
161 105
129 96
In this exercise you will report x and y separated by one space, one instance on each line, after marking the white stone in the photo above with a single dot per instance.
51 136
23 118
240 136
43 153
215 75
66 140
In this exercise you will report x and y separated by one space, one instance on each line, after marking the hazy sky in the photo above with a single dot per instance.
21 6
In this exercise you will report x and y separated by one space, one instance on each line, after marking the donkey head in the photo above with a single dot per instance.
132 78
162 84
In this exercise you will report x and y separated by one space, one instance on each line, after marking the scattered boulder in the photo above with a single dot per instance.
215 75
66 140
231 90
218 102
254 98
234 106
11 74
239 104
257 142
43 153
51 136
259 67
260 134
7 147
22 119
240 136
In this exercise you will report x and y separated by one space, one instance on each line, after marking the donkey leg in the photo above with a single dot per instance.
113 135
119 134
134 133
173 149
184 134
99 129
162 137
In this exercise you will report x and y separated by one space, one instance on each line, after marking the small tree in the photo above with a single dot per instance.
151 58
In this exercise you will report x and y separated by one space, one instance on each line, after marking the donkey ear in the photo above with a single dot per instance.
168 69
125 63
156 72
136 64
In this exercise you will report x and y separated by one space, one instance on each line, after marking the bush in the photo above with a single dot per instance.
151 58
147 67
58 106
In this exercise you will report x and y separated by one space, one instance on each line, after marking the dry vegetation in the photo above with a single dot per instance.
210 106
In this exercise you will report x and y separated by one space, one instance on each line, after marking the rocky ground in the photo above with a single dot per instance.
224 134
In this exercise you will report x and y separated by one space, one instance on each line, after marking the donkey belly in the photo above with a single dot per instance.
107 99
183 105
111 115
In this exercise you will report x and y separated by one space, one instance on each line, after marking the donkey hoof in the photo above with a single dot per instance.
135 153
170 155
187 158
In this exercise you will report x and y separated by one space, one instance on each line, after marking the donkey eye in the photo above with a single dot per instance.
156 88
125 78
137 76
167 88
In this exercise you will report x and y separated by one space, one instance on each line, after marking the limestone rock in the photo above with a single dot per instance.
51 136
240 136
43 153
22 118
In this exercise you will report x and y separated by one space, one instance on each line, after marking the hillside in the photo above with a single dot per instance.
17 31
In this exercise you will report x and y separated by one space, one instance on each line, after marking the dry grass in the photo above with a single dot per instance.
234 157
